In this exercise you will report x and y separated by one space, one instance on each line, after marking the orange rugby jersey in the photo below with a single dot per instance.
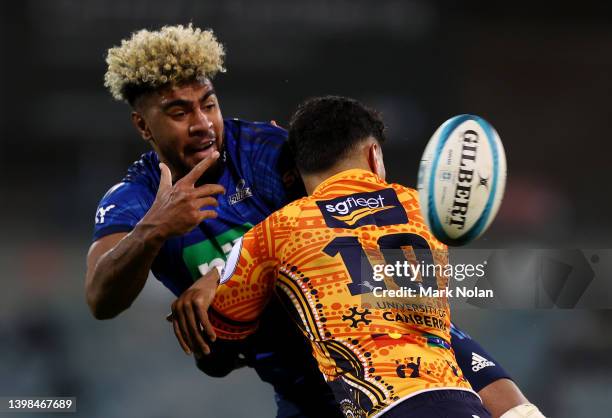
319 252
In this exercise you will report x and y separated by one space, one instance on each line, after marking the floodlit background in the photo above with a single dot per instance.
539 73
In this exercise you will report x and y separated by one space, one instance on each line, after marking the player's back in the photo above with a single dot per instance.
380 347
321 250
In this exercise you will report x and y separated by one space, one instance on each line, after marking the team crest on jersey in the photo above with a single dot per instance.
379 208
242 192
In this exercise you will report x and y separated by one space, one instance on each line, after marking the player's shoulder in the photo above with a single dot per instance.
144 170
255 134
409 199
404 193
141 179
286 218
295 208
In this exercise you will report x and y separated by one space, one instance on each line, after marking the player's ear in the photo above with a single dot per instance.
141 125
375 159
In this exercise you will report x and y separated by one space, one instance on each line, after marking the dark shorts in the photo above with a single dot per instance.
440 404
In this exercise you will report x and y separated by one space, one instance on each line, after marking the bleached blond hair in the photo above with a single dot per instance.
172 55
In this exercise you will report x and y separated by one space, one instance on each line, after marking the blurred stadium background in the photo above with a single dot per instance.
540 73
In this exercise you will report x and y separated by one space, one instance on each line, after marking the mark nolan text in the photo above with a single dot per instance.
428 292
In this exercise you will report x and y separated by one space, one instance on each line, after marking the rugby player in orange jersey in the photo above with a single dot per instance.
312 249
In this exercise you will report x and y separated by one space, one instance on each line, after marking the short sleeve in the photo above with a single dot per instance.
121 208
478 366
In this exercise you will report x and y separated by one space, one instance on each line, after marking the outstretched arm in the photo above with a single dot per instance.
230 311
494 385
118 264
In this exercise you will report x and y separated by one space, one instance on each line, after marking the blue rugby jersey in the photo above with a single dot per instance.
257 159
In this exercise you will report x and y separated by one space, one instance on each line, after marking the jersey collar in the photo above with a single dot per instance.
347 178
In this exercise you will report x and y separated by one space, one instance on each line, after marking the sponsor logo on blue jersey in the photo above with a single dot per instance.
101 213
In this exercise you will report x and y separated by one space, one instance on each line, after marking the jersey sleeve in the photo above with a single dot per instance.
274 171
247 283
121 208
477 365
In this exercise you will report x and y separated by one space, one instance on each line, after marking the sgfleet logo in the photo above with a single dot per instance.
366 207
380 208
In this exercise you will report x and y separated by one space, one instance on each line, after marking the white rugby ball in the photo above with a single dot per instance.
462 177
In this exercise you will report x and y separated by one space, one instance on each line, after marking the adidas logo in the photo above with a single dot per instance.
479 362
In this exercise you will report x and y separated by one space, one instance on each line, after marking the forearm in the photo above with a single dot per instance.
487 377
118 265
501 396
120 274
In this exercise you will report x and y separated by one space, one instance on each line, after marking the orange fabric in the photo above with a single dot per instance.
387 350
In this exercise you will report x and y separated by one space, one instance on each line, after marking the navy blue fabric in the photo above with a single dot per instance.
469 356
440 404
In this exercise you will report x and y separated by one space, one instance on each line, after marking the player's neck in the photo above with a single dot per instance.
312 180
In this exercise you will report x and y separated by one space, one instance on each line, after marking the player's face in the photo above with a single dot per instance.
184 125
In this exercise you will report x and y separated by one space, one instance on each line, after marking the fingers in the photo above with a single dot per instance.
205 202
208 330
208 214
183 334
165 179
184 328
209 190
191 325
179 336
197 171
194 330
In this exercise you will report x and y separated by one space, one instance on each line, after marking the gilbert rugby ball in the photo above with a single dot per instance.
461 179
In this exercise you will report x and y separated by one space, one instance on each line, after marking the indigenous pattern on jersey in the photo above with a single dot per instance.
311 251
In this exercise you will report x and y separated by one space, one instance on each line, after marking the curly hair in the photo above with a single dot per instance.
150 60
324 130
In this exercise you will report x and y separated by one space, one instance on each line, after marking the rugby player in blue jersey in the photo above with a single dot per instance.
181 206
